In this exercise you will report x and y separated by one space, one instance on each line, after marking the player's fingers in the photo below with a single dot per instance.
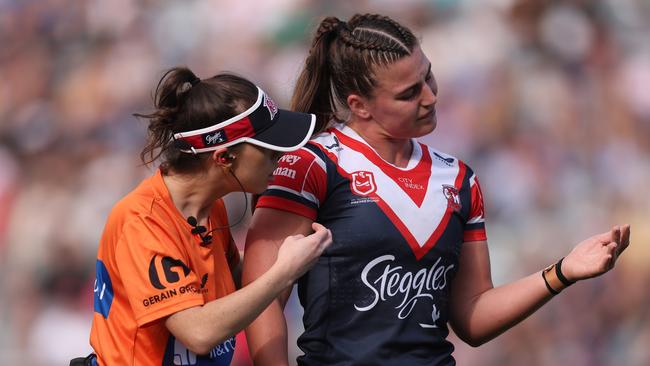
616 234
625 238
605 238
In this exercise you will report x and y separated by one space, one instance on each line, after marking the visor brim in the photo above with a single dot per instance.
289 132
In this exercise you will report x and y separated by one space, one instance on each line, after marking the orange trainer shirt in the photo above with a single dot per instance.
150 266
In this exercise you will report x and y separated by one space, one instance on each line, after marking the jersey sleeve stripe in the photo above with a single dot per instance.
474 235
317 159
303 194
289 205
477 226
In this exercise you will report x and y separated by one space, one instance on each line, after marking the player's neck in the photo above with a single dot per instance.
396 151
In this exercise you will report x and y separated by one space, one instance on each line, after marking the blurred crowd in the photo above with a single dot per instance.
548 101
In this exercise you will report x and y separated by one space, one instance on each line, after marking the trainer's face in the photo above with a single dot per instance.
403 102
254 167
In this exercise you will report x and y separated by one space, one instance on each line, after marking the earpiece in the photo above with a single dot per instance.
226 158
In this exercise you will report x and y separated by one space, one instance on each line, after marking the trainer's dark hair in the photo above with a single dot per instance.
183 102
342 60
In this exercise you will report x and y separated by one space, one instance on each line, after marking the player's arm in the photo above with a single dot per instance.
480 312
201 328
267 335
234 262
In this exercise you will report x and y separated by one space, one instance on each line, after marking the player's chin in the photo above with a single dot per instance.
426 126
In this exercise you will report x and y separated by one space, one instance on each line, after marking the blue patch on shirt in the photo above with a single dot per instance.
177 354
103 290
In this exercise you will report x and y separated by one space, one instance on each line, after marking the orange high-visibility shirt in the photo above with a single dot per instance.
149 266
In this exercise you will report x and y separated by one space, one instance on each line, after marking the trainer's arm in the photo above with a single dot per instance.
201 328
480 312
267 335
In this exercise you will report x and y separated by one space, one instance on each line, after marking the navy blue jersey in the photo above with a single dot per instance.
379 294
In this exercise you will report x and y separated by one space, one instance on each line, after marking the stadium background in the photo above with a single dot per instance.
548 101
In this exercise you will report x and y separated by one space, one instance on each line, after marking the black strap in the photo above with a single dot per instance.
558 272
550 289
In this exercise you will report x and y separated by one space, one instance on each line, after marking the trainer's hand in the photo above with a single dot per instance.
298 253
596 255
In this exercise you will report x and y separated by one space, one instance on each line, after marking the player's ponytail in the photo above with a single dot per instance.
343 59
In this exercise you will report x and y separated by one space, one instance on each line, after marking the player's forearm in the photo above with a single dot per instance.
498 309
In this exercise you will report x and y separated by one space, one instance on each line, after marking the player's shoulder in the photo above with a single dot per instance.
443 159
314 152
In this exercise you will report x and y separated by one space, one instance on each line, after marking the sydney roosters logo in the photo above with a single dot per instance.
363 183
271 106
451 194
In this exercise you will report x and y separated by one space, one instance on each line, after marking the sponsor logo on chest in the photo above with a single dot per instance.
389 281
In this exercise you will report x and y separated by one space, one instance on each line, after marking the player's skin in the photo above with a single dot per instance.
402 107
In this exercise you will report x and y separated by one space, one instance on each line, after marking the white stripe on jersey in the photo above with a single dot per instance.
421 221
303 193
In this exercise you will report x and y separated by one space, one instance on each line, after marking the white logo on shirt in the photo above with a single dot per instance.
291 159
394 282
285 172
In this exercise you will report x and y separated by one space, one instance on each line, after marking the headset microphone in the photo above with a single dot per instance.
199 230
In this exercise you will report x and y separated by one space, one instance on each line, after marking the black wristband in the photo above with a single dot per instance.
550 289
558 272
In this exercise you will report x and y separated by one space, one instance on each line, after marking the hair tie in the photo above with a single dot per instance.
340 26
195 81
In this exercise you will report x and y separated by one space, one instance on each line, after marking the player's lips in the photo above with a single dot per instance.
429 115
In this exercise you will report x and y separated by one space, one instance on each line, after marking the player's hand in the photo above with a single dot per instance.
596 255
298 253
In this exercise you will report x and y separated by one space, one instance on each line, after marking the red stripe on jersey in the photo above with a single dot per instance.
316 181
299 171
283 204
477 209
418 251
415 186
474 235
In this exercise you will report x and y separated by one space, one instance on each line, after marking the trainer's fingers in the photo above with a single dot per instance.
320 231
316 226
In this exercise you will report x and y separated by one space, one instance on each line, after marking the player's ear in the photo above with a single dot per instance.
358 106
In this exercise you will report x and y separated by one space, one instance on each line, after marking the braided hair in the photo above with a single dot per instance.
343 59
